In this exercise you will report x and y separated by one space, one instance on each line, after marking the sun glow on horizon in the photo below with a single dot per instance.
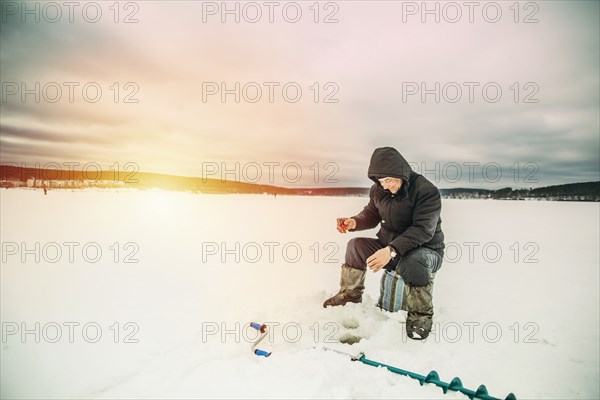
162 204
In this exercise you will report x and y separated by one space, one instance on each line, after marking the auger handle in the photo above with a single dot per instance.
259 327
262 328
263 353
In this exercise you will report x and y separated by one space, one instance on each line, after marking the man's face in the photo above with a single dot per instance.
391 184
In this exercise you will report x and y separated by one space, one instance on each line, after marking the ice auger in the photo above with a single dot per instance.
432 377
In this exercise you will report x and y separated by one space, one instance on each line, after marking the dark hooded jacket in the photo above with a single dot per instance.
411 217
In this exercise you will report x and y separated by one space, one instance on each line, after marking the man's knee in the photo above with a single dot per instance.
358 250
417 267
352 243
358 243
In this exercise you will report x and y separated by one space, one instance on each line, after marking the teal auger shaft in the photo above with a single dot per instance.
433 377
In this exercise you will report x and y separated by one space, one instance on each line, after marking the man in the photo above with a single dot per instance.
410 240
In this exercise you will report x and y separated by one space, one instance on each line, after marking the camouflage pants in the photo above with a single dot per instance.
419 305
414 276
418 289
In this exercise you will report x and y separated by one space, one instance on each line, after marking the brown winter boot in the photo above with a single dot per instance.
419 304
352 284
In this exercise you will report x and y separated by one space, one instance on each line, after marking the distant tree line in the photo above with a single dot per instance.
585 191
14 176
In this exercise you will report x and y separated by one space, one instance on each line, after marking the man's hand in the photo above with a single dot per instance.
343 224
379 259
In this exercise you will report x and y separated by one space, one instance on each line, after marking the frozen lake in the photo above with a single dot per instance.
132 294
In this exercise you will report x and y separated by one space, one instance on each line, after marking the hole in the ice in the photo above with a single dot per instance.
350 323
349 339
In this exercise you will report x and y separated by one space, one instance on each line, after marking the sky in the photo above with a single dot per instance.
299 94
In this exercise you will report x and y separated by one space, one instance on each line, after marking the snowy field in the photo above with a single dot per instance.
516 301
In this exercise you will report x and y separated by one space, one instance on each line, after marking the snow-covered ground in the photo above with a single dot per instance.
516 301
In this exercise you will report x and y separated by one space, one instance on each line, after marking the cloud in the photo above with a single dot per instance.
369 56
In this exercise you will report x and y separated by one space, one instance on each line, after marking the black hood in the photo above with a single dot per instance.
387 161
